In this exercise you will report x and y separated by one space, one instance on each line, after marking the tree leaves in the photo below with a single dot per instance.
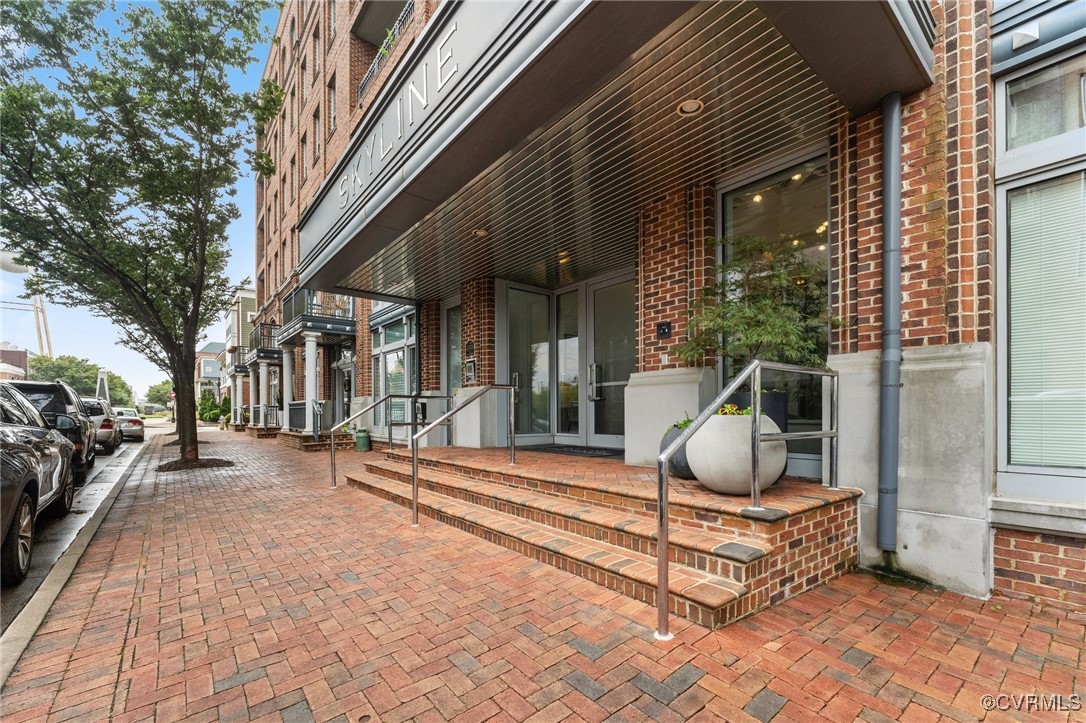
120 153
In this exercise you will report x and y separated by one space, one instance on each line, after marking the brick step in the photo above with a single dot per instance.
717 553
262 433
705 599
706 511
306 443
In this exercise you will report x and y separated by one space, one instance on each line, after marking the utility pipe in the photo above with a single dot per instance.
890 371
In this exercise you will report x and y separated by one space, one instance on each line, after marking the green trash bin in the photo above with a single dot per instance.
362 440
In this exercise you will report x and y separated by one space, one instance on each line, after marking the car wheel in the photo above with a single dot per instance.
63 504
108 449
18 546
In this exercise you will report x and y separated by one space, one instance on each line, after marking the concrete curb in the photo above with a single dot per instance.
21 630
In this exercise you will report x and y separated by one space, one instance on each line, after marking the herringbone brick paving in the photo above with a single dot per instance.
259 593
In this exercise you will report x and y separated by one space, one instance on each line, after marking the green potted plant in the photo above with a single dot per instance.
677 465
769 303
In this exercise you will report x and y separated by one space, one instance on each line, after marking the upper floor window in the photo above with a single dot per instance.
332 105
316 52
316 134
303 155
301 81
331 19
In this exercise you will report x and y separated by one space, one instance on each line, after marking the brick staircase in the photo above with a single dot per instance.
726 562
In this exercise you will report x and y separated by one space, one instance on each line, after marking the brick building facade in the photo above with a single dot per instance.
514 203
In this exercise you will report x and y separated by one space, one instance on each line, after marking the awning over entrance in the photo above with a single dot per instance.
559 120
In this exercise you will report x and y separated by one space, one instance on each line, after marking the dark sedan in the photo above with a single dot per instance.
35 474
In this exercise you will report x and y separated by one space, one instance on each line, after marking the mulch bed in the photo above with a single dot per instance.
179 465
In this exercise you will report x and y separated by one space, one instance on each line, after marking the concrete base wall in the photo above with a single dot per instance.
656 400
477 426
946 460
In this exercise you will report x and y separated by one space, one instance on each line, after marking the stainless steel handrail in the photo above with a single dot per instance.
386 400
444 418
753 373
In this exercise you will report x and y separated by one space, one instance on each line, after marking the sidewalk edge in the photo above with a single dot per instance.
22 629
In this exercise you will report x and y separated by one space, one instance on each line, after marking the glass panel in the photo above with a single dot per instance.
1047 103
379 410
1046 225
396 382
395 332
375 338
569 363
792 205
529 358
613 354
453 353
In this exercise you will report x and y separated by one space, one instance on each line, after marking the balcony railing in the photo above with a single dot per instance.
305 302
385 50
238 356
263 336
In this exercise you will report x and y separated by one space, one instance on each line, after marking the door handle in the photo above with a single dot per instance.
516 387
593 381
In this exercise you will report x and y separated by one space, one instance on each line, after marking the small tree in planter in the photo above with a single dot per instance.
769 303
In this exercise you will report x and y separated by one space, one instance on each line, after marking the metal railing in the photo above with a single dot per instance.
445 418
263 336
752 374
385 50
269 415
387 401
306 302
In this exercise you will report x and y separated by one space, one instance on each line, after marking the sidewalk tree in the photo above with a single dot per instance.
159 393
122 144
81 375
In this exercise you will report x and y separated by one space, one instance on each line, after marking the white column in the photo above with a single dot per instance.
239 397
263 389
286 380
252 395
310 378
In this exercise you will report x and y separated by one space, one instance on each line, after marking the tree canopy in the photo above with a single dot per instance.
81 375
122 144
160 393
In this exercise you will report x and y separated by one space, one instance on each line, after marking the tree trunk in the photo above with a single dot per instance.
185 409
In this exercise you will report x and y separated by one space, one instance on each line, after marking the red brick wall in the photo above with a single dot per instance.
1040 567
947 201
478 324
674 263
363 348
429 345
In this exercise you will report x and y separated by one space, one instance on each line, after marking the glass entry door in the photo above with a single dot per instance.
612 356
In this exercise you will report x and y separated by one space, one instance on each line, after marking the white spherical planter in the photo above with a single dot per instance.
719 454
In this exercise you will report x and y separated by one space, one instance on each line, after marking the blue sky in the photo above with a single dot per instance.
84 335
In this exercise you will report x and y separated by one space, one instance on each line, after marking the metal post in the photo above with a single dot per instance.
388 420
834 422
332 447
512 425
755 438
661 552
414 481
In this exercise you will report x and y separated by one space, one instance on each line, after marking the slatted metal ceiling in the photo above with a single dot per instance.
563 206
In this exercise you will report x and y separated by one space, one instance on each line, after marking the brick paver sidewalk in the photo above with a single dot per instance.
257 592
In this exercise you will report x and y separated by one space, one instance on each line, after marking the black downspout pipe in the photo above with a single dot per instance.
890 372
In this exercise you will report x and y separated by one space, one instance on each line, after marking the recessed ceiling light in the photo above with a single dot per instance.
795 242
797 176
757 198
480 232
689 107
821 247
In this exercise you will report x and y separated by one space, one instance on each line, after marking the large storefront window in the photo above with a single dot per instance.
393 365
1046 239
1042 208
792 207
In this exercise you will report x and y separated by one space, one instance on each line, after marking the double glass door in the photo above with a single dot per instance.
571 354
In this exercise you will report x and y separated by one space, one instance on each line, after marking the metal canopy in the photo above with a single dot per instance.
563 205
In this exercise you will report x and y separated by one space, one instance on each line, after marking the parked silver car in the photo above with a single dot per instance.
107 431
35 474
130 422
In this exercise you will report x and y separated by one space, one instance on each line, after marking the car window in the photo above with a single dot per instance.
93 408
50 401
35 417
10 410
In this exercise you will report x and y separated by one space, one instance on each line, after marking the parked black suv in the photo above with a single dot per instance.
53 398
